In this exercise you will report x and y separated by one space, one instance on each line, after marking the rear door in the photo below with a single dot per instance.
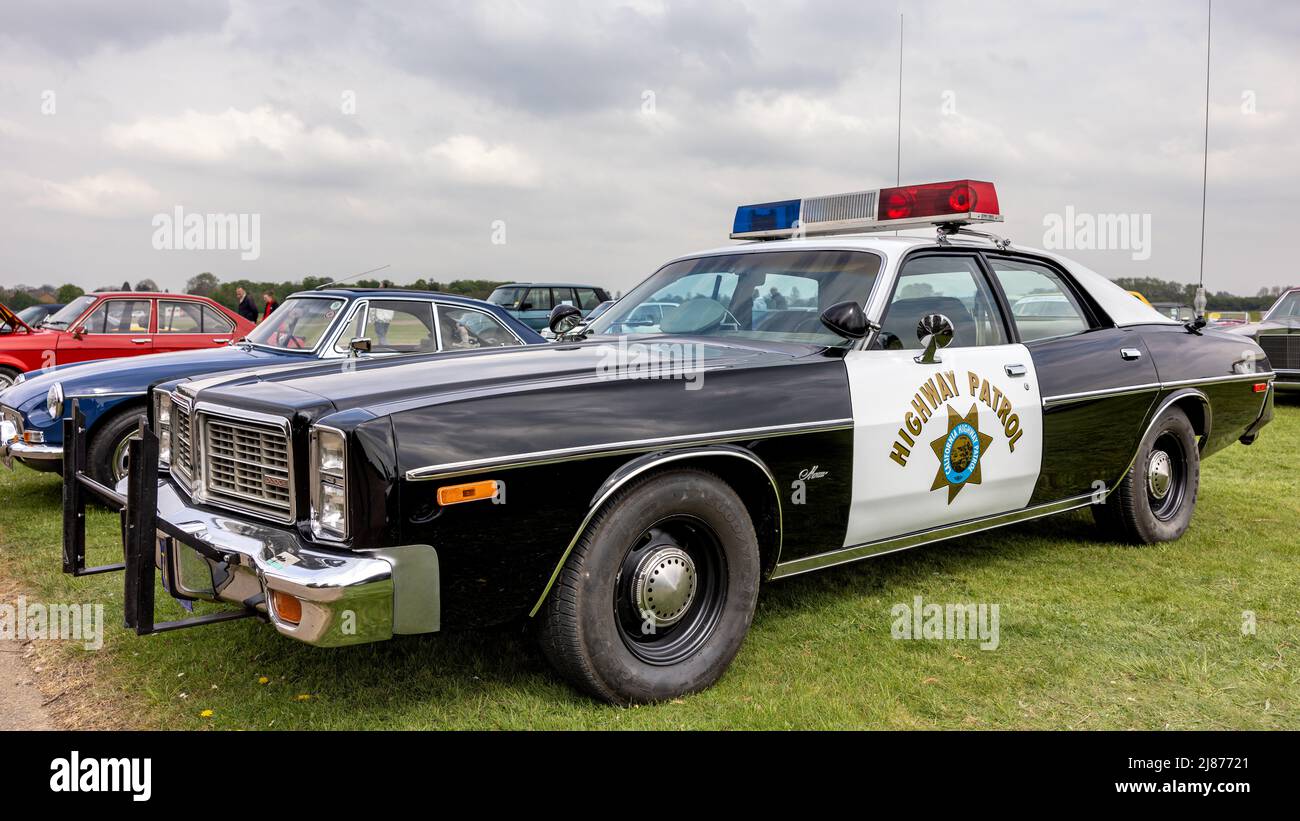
185 325
946 442
1098 383
122 326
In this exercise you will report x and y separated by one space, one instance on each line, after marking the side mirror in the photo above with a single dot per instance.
525 306
359 346
847 319
564 318
935 331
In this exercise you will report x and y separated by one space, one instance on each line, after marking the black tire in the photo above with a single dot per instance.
108 443
1135 512
589 628
7 377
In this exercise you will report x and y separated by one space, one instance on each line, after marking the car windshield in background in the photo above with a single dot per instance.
1288 308
506 297
70 312
298 324
776 296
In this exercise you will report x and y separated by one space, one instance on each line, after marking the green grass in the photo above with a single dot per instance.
1093 635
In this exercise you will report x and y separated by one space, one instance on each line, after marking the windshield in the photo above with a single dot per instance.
507 297
1287 308
777 296
70 312
298 324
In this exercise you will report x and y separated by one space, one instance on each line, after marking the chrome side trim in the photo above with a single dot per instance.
882 546
615 482
1066 398
103 394
450 469
1236 377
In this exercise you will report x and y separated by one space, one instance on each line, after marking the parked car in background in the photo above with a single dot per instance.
115 324
531 302
1226 319
309 326
1175 310
1278 333
33 315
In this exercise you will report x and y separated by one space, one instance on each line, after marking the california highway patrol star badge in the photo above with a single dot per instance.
959 451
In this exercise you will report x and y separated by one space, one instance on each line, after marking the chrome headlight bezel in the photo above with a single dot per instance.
54 401
162 425
329 484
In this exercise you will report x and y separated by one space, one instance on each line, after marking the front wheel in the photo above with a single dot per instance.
107 457
7 377
658 595
1155 500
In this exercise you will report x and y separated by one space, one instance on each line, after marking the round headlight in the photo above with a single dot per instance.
54 401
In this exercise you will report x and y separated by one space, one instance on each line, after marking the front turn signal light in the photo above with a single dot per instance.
471 492
287 608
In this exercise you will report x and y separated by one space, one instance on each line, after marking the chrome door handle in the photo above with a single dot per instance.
141 341
1015 370
220 341
1129 354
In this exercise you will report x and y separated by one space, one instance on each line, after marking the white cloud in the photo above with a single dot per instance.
110 194
472 160
231 135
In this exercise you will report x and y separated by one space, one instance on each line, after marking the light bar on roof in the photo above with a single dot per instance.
884 209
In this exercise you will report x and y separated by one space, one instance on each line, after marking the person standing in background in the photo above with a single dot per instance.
269 298
245 308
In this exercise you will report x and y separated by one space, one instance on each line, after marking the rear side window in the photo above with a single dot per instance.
180 318
1042 305
215 322
537 299
588 299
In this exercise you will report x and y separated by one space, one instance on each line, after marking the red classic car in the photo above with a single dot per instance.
113 324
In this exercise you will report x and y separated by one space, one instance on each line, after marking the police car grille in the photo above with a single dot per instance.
1283 349
247 464
857 206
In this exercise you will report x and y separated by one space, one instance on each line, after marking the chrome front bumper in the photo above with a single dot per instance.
40 457
346 597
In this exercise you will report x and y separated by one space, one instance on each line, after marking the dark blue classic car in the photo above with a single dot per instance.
309 326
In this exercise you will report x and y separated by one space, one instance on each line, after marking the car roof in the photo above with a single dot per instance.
382 292
551 285
147 295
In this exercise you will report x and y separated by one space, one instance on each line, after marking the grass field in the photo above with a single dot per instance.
1093 635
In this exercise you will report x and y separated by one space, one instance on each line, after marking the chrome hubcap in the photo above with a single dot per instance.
122 457
663 586
1159 474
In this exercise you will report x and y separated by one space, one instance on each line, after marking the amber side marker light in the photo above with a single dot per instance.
470 492
287 607
1260 387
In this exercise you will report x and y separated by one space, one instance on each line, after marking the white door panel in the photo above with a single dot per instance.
941 443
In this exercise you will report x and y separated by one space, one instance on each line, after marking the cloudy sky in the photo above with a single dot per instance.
599 139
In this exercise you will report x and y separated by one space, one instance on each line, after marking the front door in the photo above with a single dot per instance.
118 327
951 441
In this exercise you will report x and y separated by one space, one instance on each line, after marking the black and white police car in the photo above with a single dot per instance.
822 394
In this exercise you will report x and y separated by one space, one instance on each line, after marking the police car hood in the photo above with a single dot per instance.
384 385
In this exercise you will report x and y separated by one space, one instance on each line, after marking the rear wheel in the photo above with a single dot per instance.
658 594
106 456
1155 500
